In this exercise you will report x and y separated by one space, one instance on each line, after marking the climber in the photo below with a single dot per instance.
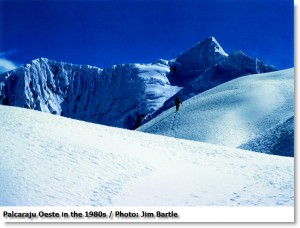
177 103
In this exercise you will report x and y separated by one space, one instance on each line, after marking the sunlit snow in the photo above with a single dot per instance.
55 161
233 113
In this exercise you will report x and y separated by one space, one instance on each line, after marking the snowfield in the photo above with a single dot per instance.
255 112
49 160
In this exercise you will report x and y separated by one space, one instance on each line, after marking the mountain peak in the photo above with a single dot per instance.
210 39
210 46
205 54
202 56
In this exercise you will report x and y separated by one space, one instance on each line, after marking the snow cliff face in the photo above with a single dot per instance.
126 95
118 96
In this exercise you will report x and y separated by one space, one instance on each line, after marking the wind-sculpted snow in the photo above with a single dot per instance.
125 95
279 140
48 160
118 96
246 111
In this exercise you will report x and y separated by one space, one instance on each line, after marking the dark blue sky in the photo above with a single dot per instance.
103 33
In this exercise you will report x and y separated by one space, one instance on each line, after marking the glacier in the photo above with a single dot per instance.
48 160
254 112
124 95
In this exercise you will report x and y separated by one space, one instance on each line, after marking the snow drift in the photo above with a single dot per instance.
47 160
122 95
255 112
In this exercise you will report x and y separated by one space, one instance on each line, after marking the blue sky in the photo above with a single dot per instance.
103 33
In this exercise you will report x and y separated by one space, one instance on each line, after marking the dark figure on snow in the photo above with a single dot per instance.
177 103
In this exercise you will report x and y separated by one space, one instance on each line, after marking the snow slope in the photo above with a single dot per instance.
234 113
279 140
50 160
